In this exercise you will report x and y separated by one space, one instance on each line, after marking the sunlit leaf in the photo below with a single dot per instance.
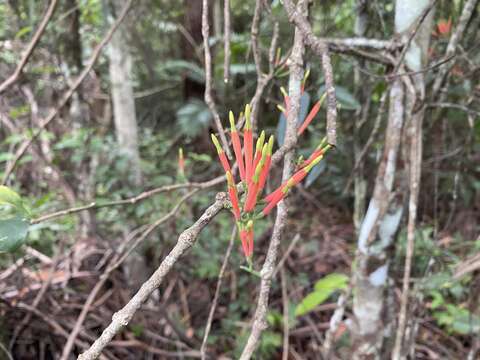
13 232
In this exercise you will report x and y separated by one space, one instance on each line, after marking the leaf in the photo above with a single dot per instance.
23 31
13 232
193 118
310 302
324 288
344 97
332 282
10 197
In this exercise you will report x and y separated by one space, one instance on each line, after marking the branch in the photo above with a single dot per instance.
268 268
217 292
321 49
208 79
133 200
184 242
361 42
28 52
68 94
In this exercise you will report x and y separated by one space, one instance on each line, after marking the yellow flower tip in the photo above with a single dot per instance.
288 186
260 142
307 74
283 91
270 144
264 150
324 140
216 143
281 108
248 124
322 98
180 153
249 224
313 163
232 121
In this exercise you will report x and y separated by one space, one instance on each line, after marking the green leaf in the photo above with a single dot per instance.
9 197
332 282
13 232
324 288
23 31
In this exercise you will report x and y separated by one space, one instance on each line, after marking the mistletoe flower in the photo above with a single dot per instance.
232 192
248 145
237 147
221 154
279 194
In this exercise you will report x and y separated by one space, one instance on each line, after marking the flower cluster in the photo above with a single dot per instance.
254 168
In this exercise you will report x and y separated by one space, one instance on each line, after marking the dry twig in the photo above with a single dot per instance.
217 292
33 43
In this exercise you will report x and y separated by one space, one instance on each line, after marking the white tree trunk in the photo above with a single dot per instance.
123 100
384 214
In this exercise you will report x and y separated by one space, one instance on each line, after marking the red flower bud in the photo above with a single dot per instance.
312 114
221 154
237 147
244 240
248 145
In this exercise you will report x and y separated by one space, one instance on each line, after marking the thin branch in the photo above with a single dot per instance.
361 42
414 29
321 49
33 43
184 242
268 268
226 40
335 321
209 79
371 138
217 293
286 316
254 38
68 94
415 134
130 201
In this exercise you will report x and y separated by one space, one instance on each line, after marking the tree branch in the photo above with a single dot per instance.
28 52
321 49
268 268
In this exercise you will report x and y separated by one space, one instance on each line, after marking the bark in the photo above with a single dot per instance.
376 235
120 69
371 325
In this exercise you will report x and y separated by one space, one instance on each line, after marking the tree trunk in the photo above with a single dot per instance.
384 214
123 100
